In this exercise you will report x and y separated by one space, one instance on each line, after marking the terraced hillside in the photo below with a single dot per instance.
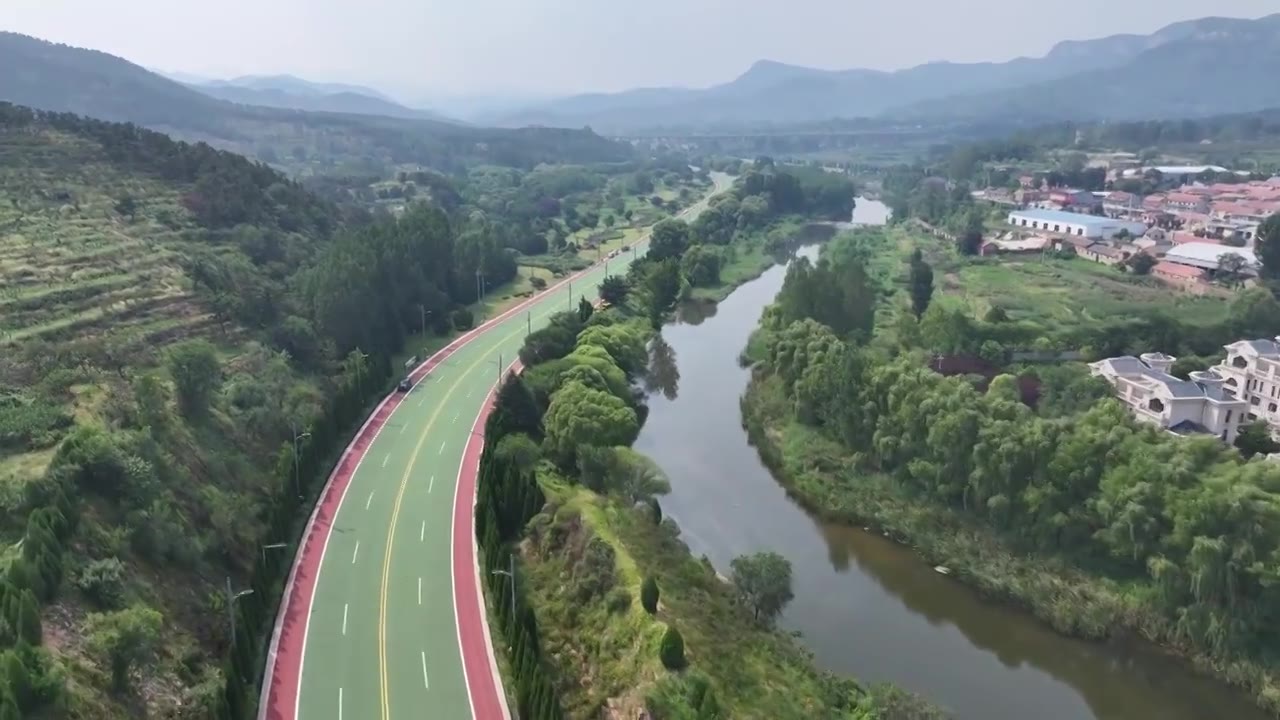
74 266
124 254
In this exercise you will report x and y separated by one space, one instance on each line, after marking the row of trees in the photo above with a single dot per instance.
1188 520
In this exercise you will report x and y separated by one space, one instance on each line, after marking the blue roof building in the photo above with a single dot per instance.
1075 224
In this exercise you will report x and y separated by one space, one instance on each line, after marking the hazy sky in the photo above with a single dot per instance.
416 48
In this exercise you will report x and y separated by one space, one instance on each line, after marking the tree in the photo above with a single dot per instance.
649 595
672 649
29 629
126 205
1253 313
1141 264
763 583
585 310
1255 439
614 289
920 278
669 239
701 266
579 415
1231 268
1267 248
971 242
663 283
17 678
197 375
125 639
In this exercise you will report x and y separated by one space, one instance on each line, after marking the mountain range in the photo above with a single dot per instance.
308 128
1196 67
287 91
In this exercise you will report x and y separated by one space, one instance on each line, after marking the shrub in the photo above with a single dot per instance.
463 319
618 601
672 650
649 595
538 283
102 581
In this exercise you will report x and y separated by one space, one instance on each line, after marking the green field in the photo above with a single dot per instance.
1056 295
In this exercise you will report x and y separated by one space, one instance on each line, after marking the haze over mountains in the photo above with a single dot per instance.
60 78
286 91
1197 67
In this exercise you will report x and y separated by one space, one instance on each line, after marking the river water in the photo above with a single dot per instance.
866 606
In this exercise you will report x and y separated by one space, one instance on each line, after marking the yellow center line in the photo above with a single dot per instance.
395 511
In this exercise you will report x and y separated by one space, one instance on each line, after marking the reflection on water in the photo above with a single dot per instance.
866 606
663 375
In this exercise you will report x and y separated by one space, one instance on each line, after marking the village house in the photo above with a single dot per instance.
1072 198
1103 253
1186 202
1201 405
1182 277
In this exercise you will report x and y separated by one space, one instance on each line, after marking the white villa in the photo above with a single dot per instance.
1252 373
1202 405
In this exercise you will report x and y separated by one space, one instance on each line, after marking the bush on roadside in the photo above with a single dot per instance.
649 595
672 650
463 319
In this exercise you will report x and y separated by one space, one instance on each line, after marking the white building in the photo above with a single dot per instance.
1076 224
1252 373
1202 405
1205 255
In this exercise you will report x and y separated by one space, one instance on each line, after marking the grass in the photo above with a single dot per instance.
606 655
747 262
1054 294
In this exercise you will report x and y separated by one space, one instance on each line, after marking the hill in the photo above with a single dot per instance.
295 94
780 94
170 316
91 83
299 86
1220 66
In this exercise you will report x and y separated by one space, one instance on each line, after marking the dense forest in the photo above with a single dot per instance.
1177 539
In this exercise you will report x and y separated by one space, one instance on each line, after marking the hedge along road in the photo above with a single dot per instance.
368 628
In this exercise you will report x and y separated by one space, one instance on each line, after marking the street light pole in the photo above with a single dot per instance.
511 574
231 607
297 484
272 546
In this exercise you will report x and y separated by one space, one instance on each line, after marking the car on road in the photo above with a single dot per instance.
405 385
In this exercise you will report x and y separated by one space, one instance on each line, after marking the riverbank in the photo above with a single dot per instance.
585 555
832 482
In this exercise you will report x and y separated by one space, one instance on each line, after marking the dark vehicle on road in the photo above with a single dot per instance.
405 385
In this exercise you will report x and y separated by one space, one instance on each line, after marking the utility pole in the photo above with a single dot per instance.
528 323
570 294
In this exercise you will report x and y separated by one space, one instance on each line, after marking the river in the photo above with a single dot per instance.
863 605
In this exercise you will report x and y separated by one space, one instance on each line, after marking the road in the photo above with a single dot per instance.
382 617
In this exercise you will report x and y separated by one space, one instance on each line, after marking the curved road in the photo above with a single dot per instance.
382 616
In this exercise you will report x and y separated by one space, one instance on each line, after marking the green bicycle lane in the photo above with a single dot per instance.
381 638
413 461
